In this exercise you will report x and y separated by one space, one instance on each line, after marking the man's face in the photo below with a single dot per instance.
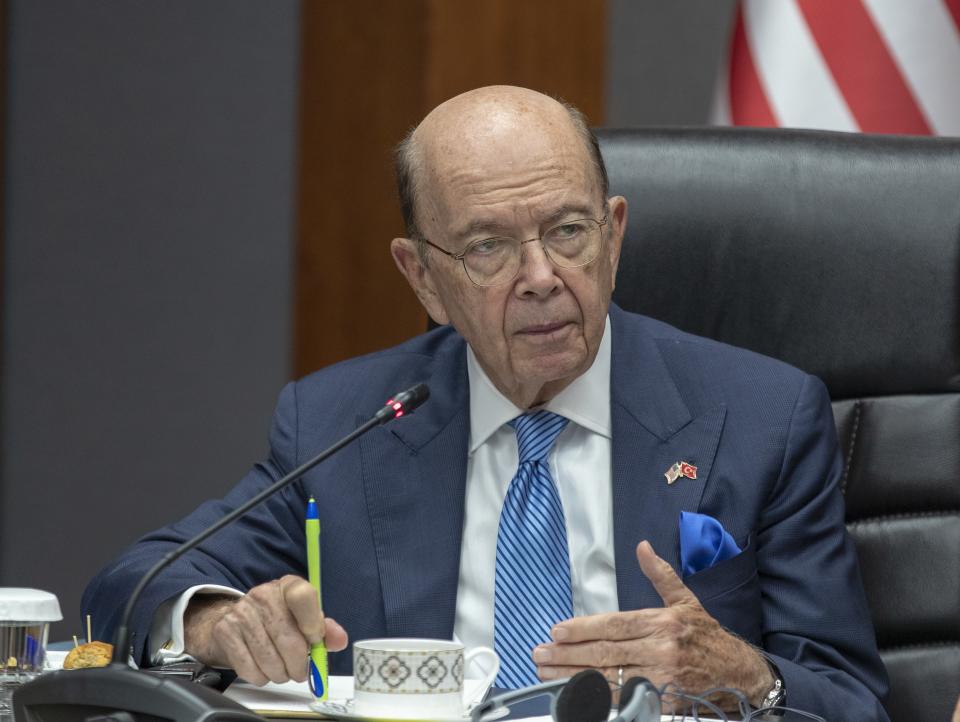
536 333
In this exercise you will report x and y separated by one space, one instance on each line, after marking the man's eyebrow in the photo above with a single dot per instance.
486 227
481 227
573 211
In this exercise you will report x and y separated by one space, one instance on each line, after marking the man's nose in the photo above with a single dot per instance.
537 272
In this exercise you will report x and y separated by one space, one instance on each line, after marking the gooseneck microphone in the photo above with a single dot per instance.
118 692
403 403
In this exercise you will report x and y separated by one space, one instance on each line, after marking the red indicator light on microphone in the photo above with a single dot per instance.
402 404
397 406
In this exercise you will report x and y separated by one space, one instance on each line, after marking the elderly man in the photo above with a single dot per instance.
558 496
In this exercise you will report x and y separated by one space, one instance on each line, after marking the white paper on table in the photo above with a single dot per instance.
290 698
293 698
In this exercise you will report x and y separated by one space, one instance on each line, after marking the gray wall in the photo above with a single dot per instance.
662 59
150 168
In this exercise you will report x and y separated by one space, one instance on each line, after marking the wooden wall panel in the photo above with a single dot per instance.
371 70
554 46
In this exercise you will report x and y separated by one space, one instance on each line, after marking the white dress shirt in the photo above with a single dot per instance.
580 463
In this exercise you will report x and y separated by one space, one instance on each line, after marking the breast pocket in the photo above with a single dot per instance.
730 592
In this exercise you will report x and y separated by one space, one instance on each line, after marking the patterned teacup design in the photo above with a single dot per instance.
415 678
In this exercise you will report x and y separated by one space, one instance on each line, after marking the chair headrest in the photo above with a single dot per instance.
838 253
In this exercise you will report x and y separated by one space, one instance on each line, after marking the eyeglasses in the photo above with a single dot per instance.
493 261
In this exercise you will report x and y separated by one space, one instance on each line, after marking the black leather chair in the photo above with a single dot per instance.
839 254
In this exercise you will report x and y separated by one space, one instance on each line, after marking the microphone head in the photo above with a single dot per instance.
627 690
645 701
585 698
403 403
413 397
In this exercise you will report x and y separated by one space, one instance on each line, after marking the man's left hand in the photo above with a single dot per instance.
679 643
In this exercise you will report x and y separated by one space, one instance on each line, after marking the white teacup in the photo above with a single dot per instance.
416 678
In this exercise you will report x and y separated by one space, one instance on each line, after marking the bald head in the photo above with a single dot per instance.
484 123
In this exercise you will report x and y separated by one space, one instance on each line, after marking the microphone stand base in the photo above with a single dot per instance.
121 694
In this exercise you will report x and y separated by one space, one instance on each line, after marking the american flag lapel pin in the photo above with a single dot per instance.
673 473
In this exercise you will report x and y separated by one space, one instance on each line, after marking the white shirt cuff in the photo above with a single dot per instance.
166 634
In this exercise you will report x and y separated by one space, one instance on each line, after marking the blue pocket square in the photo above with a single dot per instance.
703 543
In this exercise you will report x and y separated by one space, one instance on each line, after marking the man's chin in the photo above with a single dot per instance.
553 372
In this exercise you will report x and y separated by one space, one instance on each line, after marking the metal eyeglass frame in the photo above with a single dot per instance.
461 256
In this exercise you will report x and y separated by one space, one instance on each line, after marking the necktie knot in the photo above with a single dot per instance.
537 432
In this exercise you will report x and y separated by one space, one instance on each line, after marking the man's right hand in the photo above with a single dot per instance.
265 635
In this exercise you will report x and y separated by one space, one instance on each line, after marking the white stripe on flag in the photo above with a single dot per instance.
795 78
925 43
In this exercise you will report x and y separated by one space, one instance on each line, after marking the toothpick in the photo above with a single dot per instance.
89 635
76 642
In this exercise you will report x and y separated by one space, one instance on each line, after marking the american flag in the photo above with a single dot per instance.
873 66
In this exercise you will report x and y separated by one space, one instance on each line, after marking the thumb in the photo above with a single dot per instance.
668 585
304 604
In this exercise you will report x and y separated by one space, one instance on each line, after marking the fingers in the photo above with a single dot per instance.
303 603
611 674
272 633
668 585
266 634
237 654
614 626
604 653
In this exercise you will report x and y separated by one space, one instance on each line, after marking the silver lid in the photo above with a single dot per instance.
28 605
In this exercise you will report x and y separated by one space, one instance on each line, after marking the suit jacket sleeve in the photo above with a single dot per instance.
816 625
260 546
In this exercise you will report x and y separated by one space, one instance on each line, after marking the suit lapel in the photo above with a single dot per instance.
652 429
414 474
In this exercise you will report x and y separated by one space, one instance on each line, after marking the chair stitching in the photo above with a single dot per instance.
853 443
939 644
905 515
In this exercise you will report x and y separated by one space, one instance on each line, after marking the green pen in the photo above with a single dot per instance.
318 652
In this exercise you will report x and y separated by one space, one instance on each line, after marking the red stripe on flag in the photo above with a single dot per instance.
748 102
954 7
863 68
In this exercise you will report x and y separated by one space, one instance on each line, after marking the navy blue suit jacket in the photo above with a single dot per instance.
760 433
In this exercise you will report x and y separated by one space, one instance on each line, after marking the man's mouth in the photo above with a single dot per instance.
543 329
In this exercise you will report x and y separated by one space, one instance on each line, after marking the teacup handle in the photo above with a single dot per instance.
468 657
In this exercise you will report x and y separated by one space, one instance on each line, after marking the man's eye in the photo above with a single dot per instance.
566 231
487 247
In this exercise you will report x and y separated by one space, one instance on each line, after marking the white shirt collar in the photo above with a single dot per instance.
586 401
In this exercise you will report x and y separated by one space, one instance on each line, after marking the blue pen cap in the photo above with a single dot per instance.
312 509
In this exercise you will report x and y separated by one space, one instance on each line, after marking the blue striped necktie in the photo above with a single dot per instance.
533 590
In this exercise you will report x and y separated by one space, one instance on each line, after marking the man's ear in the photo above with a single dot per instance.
618 225
418 275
